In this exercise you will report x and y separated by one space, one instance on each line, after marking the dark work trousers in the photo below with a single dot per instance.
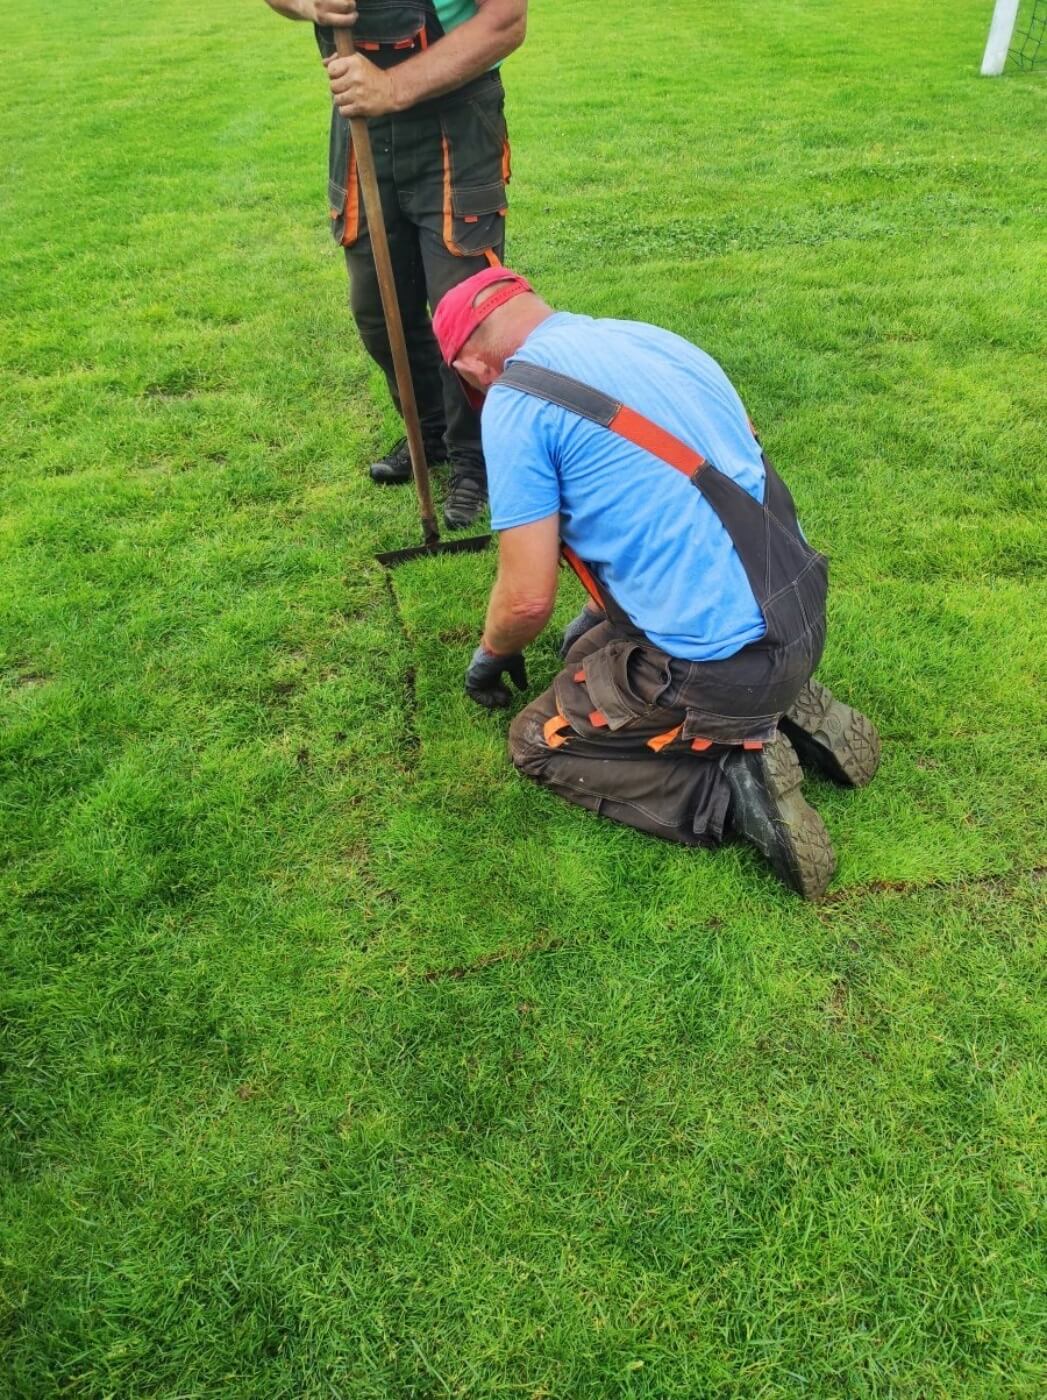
615 732
442 170
640 736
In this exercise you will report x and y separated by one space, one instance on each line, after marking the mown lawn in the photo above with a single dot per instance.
336 1060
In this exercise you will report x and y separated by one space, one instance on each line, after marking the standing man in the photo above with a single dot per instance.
687 699
426 74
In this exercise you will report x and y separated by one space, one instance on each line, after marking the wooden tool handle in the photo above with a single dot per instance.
361 139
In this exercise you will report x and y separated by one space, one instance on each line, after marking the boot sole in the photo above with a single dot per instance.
829 735
795 840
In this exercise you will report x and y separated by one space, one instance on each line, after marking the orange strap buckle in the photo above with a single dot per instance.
597 719
700 745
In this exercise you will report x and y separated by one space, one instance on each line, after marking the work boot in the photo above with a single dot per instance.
465 501
395 467
829 735
768 809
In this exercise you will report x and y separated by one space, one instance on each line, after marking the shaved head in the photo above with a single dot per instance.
483 321
502 333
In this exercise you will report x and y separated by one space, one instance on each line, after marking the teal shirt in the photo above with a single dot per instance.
452 13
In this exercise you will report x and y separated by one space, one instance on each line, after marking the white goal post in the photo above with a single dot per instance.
1004 18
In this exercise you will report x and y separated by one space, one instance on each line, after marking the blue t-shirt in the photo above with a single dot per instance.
649 535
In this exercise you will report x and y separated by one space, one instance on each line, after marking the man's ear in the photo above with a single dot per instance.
474 370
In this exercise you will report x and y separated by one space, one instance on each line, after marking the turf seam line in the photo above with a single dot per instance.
412 739
455 974
841 897
1004 882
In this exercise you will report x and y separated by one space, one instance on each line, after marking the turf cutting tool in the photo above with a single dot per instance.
431 542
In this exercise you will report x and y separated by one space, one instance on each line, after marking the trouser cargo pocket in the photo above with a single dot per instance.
614 688
476 169
343 184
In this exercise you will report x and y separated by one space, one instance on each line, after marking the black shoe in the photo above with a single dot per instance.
465 501
829 735
768 809
395 467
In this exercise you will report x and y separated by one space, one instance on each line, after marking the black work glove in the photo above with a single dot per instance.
483 680
578 626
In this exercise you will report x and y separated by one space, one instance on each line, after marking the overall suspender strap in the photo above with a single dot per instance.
583 573
587 402
786 576
600 408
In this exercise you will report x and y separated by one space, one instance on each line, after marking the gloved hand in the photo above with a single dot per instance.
578 626
483 680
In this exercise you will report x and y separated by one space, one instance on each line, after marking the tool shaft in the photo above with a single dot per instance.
361 139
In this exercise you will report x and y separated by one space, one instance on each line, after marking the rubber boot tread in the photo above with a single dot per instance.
831 736
770 810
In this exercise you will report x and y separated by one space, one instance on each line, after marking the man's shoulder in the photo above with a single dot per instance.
616 356
508 409
564 330
549 337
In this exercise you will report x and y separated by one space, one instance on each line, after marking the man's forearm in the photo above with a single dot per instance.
494 32
512 622
293 9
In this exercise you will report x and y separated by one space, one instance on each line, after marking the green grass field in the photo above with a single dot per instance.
338 1061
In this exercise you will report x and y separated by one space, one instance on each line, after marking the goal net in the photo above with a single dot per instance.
1016 35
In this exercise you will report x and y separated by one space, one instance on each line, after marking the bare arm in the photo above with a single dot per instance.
362 90
293 9
339 13
524 592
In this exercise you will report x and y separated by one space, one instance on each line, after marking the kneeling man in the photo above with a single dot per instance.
687 699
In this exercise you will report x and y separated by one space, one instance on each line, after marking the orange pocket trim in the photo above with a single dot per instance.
492 257
597 719
700 745
449 243
659 741
351 229
552 731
